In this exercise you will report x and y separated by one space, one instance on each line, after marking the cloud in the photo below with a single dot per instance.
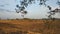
9 15
34 11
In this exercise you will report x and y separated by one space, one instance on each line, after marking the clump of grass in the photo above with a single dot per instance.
18 32
2 32
26 18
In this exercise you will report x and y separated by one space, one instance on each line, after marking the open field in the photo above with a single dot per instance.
30 26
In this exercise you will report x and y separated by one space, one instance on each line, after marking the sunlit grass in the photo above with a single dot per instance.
30 26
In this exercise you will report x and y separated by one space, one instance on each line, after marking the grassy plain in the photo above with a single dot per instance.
30 26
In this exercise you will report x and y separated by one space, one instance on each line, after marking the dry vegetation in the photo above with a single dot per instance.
30 26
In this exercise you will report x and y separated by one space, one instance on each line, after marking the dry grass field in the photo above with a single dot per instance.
30 26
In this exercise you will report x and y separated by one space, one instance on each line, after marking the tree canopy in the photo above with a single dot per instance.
25 3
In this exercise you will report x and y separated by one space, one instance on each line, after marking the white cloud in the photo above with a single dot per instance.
34 11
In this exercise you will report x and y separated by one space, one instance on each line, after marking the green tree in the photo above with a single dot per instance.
24 3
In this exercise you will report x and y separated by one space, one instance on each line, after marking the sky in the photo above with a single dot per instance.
35 11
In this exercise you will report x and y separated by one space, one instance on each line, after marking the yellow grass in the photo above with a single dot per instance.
30 26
